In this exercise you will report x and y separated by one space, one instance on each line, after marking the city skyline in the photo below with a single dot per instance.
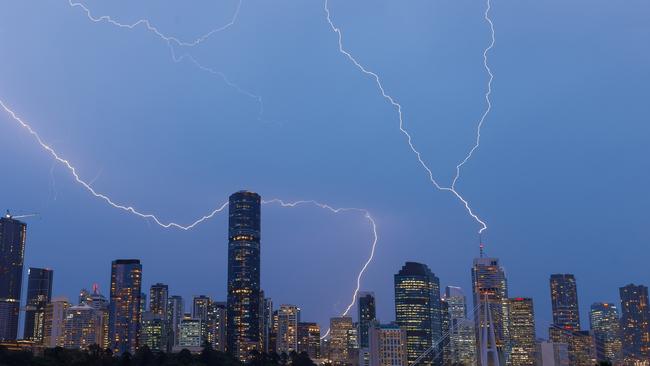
545 185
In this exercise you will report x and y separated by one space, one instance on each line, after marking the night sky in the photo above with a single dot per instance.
561 177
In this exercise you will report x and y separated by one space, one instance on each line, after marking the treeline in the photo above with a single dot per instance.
95 356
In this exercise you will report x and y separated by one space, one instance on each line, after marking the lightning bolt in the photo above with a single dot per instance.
398 107
130 209
488 93
372 222
172 40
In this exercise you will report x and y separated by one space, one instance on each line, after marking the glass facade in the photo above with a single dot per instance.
604 322
12 254
244 333
418 311
367 315
125 306
39 293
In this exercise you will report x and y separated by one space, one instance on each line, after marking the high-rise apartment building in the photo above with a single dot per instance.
521 328
462 339
342 341
12 254
175 309
217 325
418 311
125 306
158 300
54 319
243 302
39 294
83 327
287 332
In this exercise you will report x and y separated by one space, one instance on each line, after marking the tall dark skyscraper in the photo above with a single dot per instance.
39 293
635 322
12 254
125 306
367 315
418 311
564 301
243 332
158 298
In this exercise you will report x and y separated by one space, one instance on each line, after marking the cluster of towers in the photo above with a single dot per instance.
431 327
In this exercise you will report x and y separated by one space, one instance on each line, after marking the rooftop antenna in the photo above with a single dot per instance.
480 245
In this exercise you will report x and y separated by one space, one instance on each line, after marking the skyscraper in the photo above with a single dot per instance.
175 309
125 305
287 336
244 274
604 321
12 254
490 293
418 311
267 326
217 325
367 315
153 332
83 327
462 339
158 299
635 322
521 328
99 302
39 293
564 300
54 320
341 350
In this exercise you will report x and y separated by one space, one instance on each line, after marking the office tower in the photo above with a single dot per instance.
217 325
462 339
99 302
244 274
521 328
84 296
552 354
12 254
387 345
418 311
54 319
604 322
267 326
158 298
341 342
189 333
83 327
490 294
564 300
635 328
287 336
153 332
367 315
309 339
125 306
457 302
39 293
176 309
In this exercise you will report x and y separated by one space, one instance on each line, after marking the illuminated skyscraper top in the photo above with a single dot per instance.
418 311
243 331
12 254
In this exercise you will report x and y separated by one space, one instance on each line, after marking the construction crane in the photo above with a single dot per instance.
23 216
